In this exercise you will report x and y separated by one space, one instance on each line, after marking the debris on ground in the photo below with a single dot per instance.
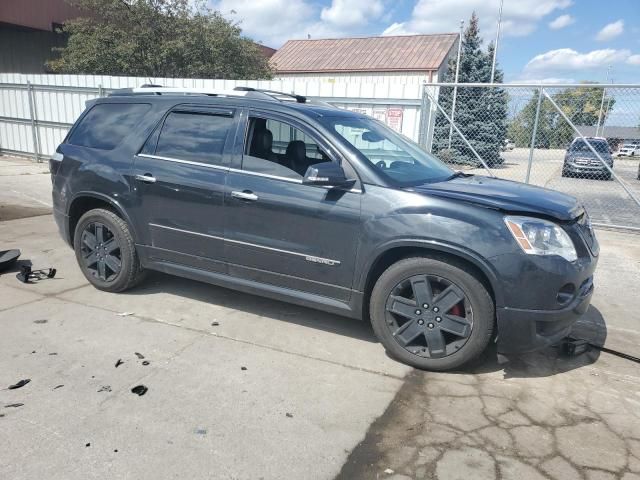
290 415
139 355
20 384
243 368
139 390
201 431
388 471
119 362
53 353
58 386
14 405
215 324
88 445
8 258
105 388
145 363
40 321
27 275
125 314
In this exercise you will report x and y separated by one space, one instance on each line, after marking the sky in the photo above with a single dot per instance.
541 40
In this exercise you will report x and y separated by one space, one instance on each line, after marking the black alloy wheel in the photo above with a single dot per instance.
101 251
429 316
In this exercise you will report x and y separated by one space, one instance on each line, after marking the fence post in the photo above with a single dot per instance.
34 122
533 135
100 91
422 133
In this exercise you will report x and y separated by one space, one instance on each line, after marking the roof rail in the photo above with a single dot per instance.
158 90
274 94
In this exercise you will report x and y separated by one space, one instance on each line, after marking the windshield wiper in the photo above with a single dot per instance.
458 174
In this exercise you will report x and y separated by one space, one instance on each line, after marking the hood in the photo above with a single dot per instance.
506 195
588 154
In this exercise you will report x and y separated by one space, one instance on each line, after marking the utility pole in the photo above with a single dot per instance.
495 49
455 87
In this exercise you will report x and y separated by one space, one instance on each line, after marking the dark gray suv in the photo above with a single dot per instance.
274 195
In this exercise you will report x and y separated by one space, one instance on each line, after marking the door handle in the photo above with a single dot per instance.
246 195
146 178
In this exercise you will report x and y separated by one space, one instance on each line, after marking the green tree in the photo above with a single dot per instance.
481 113
157 38
580 104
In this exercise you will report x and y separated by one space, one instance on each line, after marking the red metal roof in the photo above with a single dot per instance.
369 54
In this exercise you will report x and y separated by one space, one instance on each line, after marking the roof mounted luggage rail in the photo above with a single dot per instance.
159 90
273 94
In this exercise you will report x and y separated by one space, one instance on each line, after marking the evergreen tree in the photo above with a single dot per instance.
481 113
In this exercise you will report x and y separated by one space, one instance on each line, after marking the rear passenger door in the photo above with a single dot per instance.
179 179
279 231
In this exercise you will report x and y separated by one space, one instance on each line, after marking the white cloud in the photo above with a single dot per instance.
349 13
567 60
561 22
273 22
611 30
543 80
634 60
519 18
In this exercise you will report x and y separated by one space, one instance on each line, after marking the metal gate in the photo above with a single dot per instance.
580 139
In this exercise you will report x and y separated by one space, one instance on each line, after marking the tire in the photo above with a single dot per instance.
479 312
116 236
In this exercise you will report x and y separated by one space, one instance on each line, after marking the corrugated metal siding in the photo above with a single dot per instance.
55 102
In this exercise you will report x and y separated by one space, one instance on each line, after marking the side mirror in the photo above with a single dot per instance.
328 174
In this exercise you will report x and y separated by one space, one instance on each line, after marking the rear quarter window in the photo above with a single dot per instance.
106 125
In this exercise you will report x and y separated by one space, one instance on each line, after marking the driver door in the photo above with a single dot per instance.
279 231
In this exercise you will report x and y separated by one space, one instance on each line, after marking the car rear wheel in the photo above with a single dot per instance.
105 251
432 314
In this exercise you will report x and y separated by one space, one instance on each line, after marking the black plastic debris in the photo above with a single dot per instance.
119 362
573 347
105 388
1 415
40 321
53 353
145 363
14 405
139 390
243 368
20 384
115 451
290 415
8 258
58 386
139 355
27 275
215 324
88 445
33 351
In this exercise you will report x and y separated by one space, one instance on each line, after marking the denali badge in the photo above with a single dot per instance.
324 261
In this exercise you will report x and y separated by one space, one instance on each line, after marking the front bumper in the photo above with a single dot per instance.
586 169
522 330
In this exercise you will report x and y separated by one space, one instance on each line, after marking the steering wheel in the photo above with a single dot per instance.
382 165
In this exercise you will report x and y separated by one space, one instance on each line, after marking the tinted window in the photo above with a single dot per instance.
194 136
277 148
107 124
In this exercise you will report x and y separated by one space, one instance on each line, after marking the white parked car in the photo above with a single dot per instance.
508 144
629 150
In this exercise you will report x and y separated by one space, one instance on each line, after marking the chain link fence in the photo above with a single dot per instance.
582 140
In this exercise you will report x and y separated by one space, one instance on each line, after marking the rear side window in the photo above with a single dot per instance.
194 136
106 125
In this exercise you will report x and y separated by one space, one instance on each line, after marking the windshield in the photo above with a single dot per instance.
394 156
600 146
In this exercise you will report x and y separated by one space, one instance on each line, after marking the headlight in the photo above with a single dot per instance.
540 237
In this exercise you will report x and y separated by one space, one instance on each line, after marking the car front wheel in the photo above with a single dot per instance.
431 313
105 251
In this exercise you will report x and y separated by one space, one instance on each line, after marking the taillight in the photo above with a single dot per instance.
54 163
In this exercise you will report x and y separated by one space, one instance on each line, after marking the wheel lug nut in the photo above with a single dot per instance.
418 312
420 322
438 319
436 309
425 305
430 325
